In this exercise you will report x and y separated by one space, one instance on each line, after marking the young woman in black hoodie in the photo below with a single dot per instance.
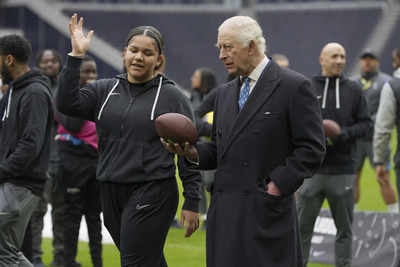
139 195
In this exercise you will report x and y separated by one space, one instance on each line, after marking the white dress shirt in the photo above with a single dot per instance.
256 73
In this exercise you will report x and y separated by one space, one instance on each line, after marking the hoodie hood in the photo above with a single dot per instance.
326 81
30 77
20 83
157 81
149 84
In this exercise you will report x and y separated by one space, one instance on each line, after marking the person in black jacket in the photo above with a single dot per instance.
341 100
77 146
136 174
26 115
203 83
49 62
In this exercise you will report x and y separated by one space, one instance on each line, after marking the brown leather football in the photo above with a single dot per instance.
331 128
176 127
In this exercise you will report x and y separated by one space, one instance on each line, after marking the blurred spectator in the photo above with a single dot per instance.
203 82
281 60
77 146
49 62
372 81
386 118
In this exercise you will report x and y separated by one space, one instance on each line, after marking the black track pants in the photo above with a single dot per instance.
138 217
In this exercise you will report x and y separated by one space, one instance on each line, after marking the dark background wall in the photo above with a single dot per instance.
190 37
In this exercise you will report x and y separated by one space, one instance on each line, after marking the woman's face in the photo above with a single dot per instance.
141 57
88 72
196 80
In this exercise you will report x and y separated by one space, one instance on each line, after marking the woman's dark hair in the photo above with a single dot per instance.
17 46
208 80
149 31
53 51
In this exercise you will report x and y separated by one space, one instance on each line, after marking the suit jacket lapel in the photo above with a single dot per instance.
230 109
265 86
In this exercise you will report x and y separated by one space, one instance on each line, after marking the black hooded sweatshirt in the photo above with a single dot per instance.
25 132
342 100
130 151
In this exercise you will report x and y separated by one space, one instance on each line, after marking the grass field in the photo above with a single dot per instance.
190 252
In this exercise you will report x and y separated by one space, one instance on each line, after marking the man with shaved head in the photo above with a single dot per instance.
267 138
342 101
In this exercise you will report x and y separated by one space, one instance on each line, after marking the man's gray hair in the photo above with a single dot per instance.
247 30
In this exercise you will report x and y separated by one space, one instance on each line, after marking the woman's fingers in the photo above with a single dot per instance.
80 26
89 36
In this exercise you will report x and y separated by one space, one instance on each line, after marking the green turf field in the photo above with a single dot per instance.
190 252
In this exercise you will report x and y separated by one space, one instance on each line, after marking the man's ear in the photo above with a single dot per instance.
252 48
9 60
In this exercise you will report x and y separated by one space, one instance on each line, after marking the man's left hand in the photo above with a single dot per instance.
192 221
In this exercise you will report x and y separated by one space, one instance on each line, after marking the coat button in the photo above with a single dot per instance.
245 164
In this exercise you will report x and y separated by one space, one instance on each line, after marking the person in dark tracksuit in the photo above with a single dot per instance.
26 116
341 100
139 194
49 62
77 146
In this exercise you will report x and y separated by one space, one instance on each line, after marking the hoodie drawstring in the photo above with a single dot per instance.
326 93
156 99
7 110
337 94
105 102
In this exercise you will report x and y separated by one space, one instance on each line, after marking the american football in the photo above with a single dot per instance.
176 127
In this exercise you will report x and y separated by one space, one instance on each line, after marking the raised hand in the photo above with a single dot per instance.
80 43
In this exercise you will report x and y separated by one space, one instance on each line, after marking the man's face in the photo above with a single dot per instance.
333 60
396 60
4 71
233 53
49 64
369 65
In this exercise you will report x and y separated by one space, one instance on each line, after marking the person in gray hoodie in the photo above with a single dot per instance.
387 117
372 81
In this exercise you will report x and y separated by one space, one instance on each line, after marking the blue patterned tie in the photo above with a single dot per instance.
244 93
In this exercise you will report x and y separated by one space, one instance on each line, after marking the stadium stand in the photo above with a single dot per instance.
301 34
393 42
298 30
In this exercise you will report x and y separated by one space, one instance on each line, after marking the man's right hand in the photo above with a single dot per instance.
80 43
380 171
188 151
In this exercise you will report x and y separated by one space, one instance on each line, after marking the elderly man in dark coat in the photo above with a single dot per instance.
267 138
